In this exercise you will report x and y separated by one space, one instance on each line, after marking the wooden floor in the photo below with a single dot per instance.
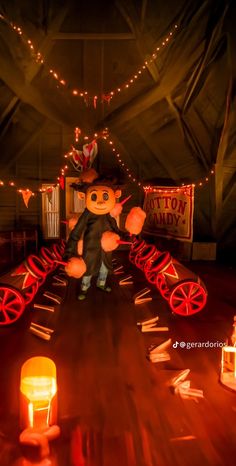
115 406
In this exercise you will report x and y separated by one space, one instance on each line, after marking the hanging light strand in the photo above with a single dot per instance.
83 93
148 188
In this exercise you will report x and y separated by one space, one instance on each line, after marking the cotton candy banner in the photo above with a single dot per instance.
170 212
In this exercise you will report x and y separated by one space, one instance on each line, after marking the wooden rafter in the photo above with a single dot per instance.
231 186
32 70
136 106
93 36
14 79
8 115
8 109
47 44
129 14
143 13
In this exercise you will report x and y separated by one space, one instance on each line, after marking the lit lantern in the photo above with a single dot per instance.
38 393
228 361
228 367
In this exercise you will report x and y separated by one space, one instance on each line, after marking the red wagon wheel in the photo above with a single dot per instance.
187 298
162 286
30 292
12 304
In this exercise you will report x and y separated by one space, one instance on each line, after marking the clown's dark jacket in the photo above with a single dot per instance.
91 227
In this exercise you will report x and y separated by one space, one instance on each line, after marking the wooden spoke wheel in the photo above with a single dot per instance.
188 298
162 286
30 292
12 304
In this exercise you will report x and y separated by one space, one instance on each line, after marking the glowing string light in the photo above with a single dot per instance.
148 188
106 97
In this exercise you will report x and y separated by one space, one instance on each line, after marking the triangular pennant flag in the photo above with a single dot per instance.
26 194
171 271
28 278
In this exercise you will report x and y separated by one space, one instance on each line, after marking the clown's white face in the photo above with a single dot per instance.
101 200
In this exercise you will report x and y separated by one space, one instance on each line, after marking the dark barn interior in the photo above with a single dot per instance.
141 93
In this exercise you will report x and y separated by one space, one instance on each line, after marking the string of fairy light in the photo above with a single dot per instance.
83 93
6 183
106 136
38 58
14 184
149 188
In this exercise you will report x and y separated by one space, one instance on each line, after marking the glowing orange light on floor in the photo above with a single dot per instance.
228 361
38 393
228 367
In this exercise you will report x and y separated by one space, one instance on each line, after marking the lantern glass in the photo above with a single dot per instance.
228 367
38 389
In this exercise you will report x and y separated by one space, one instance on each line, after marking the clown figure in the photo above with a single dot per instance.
100 200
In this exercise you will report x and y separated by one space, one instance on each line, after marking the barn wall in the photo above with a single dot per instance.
39 163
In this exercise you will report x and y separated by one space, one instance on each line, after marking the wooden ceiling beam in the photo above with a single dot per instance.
8 109
144 46
231 186
143 13
47 43
14 79
8 115
32 70
174 75
93 36
134 107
